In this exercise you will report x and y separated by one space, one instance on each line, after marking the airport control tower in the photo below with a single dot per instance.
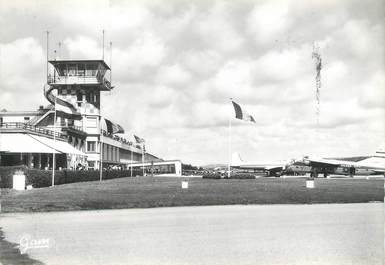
79 84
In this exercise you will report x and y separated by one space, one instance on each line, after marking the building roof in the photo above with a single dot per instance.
28 143
22 143
61 61
60 146
20 113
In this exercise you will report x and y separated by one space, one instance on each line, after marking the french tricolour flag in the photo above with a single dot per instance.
241 113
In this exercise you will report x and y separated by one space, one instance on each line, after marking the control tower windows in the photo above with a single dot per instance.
72 70
86 68
91 69
81 70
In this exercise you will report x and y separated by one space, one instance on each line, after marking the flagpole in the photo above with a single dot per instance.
229 164
143 157
54 141
101 151
132 158
101 139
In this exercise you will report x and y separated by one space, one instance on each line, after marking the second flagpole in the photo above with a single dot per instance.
229 164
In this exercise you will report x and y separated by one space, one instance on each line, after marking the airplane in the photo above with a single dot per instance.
373 165
269 168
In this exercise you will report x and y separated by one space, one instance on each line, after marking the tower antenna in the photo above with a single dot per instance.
111 63
318 66
59 52
103 45
47 54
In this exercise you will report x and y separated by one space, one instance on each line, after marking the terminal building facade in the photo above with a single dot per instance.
71 132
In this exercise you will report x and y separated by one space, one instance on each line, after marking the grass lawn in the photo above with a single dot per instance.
144 192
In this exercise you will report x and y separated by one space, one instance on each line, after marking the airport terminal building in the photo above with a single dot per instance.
71 133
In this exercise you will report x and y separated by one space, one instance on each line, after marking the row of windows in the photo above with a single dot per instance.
110 153
78 70
128 155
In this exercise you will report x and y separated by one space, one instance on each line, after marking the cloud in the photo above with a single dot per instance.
143 54
176 64
268 21
202 62
173 75
161 97
22 71
373 93
216 31
83 47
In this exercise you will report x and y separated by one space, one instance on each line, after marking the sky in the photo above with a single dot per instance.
176 64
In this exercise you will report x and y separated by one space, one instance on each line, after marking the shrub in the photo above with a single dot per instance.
212 175
112 174
242 176
72 176
43 178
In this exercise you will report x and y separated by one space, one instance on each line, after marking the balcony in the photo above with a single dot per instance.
24 127
75 130
121 140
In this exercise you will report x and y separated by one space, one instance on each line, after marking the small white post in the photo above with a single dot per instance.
184 185
310 183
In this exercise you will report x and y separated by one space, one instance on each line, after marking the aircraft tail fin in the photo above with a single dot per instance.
380 152
236 159
376 161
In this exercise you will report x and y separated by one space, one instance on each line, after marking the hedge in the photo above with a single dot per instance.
43 178
212 175
217 175
242 176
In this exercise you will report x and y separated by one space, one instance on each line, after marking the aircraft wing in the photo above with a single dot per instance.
274 167
328 162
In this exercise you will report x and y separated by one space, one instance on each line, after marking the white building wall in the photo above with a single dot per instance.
17 118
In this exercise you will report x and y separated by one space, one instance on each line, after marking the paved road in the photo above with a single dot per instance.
277 234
